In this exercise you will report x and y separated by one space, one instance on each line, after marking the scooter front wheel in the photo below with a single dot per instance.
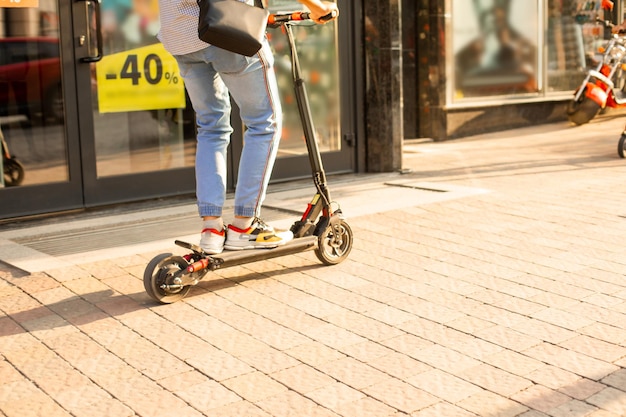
335 243
621 146
159 280
582 111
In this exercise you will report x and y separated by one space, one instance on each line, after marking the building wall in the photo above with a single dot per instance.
383 84
497 64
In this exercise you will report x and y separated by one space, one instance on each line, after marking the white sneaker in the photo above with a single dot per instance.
212 241
259 235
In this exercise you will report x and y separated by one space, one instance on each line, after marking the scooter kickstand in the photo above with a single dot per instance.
195 248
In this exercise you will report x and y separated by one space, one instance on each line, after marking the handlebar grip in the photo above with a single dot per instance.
279 18
329 16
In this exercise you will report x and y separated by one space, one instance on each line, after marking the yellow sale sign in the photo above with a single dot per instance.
145 78
19 3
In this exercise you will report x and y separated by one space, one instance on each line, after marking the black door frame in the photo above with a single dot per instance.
38 199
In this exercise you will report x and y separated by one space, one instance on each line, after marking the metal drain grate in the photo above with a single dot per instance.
71 242
415 187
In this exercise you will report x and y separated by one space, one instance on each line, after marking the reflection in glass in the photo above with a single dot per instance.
317 50
148 137
31 97
573 40
495 47
154 138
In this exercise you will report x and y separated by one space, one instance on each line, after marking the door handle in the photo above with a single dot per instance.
93 37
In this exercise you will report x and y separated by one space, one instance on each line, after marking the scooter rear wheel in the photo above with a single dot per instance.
621 146
335 243
159 272
582 111
13 172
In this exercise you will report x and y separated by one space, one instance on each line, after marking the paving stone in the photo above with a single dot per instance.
292 404
365 407
206 396
400 395
335 395
610 399
445 386
218 365
514 362
270 361
497 405
582 389
443 409
616 379
444 358
353 372
541 398
494 379
38 282
254 386
573 408
314 353
399 365
507 338
238 409
595 348
23 398
569 360
303 378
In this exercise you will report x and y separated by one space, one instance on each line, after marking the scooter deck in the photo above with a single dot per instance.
239 257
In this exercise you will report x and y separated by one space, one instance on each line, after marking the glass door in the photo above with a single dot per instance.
40 171
134 106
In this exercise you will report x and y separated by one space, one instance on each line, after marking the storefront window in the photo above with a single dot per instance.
495 46
573 40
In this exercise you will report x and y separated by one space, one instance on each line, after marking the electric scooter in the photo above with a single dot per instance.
603 85
168 278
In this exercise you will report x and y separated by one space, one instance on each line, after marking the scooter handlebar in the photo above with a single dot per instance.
279 18
609 24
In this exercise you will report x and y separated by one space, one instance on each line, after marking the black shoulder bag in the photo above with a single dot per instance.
232 25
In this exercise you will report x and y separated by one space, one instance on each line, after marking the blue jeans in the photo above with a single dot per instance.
209 75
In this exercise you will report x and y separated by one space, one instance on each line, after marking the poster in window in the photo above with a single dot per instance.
19 3
495 44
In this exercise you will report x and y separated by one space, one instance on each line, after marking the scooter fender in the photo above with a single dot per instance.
597 94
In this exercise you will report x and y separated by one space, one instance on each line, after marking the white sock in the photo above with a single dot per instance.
242 223
217 224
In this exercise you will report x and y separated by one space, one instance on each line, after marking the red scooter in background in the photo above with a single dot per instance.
13 170
602 87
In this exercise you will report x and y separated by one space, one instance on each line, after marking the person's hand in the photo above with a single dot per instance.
621 28
328 8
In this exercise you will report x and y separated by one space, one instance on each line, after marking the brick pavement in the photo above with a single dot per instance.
506 303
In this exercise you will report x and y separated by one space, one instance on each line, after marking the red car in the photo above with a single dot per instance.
30 78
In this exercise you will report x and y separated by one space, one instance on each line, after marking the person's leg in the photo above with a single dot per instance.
211 103
255 91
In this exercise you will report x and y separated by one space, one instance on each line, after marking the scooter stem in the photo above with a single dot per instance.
315 158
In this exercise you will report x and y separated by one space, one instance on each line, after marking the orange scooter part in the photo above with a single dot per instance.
597 94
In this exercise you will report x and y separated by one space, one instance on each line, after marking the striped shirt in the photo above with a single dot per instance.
179 26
